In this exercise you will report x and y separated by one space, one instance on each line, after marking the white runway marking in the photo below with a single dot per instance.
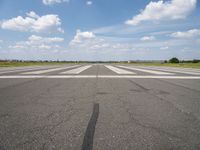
185 69
20 70
178 68
148 71
118 70
97 76
50 70
77 70
174 70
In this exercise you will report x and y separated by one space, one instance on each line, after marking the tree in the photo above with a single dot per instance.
174 60
165 61
195 61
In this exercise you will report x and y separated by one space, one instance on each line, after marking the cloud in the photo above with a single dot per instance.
89 3
100 48
39 39
168 10
89 42
34 23
52 2
32 14
186 34
105 44
43 46
38 42
82 36
17 46
164 48
147 38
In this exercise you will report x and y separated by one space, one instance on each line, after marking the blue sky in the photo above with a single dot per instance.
99 29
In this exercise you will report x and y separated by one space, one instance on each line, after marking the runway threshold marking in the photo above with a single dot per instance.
89 133
148 71
97 76
49 70
118 70
176 71
179 69
77 70
20 70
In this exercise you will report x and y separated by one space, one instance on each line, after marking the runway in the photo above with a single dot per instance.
109 71
99 107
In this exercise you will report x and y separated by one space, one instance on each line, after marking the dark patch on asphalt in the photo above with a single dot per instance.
89 134
173 83
4 116
19 84
102 93
141 88
135 90
163 92
2 148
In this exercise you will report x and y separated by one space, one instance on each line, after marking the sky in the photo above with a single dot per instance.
99 30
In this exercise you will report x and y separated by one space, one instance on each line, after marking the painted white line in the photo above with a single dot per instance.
50 70
77 70
27 69
183 69
47 76
148 71
19 68
152 77
176 71
98 76
180 69
118 70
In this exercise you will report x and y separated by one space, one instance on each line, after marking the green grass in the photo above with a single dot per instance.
20 64
183 65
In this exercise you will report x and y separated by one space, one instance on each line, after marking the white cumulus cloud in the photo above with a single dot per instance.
52 2
38 42
39 39
33 23
147 38
164 10
187 34
32 14
82 36
90 42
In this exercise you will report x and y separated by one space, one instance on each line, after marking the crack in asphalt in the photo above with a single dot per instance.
170 103
138 122
171 83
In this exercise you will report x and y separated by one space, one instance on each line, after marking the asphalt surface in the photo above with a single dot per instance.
98 108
